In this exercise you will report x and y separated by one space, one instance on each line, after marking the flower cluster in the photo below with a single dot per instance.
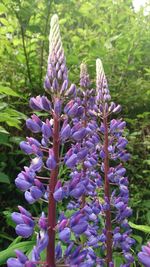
116 194
80 136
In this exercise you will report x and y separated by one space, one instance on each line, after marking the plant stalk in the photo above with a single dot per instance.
52 202
108 224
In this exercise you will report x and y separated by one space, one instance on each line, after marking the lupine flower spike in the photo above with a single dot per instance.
116 193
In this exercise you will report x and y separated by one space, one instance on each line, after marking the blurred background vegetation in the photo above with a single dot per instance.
109 29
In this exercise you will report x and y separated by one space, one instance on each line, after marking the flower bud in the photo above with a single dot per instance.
65 234
33 126
79 135
51 162
57 106
71 161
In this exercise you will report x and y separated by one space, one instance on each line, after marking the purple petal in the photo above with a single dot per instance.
21 256
26 147
33 126
71 162
58 194
80 228
12 262
65 234
144 259
29 197
36 193
51 162
79 135
22 184
24 230
17 217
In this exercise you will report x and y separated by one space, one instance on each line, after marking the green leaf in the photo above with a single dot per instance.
3 105
118 260
138 238
5 236
143 228
9 252
8 91
4 178
2 130
15 241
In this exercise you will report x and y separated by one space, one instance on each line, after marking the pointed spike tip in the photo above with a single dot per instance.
100 74
54 35
99 67
54 20
83 67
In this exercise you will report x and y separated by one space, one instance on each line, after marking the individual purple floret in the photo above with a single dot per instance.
24 221
21 260
144 255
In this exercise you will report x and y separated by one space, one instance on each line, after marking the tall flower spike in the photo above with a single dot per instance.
84 76
56 80
103 94
115 207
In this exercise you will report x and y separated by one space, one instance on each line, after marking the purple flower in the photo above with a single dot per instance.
71 161
69 249
65 234
64 86
46 129
71 90
24 230
59 194
80 228
25 179
116 109
26 147
36 192
144 255
22 184
25 224
36 164
80 134
55 87
65 131
41 244
35 103
46 103
21 260
51 162
33 126
129 258
82 153
58 251
57 106
43 222
78 191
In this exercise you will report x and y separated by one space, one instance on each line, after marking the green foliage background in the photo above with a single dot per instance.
108 29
